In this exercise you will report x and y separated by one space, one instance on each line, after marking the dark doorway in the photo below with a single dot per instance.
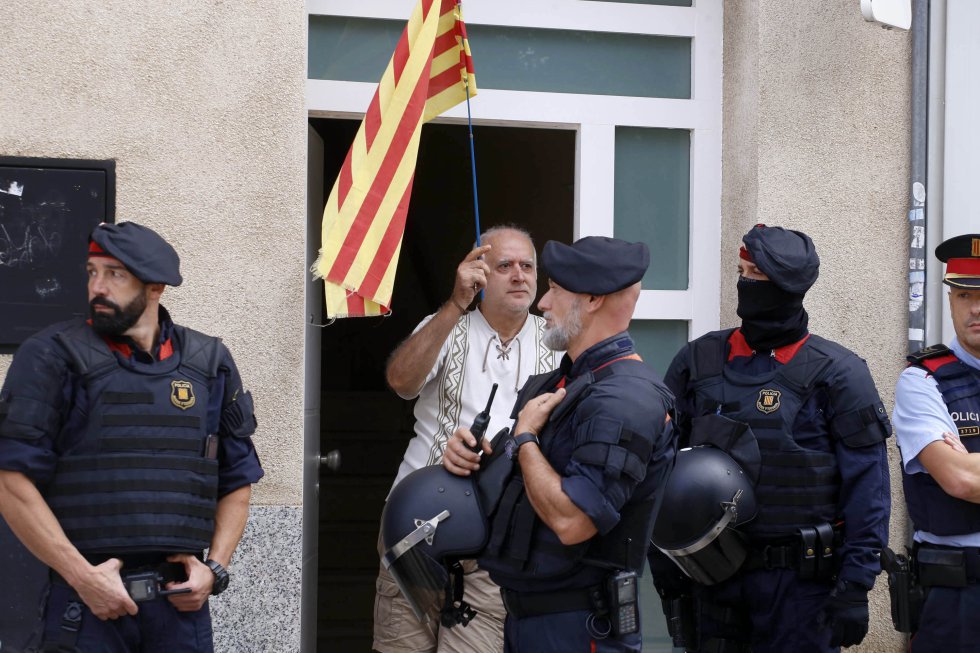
525 176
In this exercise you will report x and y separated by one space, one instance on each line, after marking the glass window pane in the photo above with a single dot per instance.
517 58
658 341
652 200
351 49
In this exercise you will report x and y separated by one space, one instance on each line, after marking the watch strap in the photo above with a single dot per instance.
221 576
523 438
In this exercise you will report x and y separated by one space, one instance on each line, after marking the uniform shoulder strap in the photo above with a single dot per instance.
199 352
932 358
708 354
90 356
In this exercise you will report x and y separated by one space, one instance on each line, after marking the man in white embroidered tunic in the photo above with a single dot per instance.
450 362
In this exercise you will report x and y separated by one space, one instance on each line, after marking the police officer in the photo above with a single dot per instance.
822 492
590 450
125 452
937 421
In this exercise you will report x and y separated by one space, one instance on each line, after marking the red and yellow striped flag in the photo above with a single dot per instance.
364 219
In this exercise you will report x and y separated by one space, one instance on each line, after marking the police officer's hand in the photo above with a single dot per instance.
846 614
471 277
102 590
200 580
459 457
534 415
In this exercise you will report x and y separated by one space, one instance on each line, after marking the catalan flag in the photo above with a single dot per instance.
364 219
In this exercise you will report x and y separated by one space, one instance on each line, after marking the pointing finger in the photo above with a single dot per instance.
476 253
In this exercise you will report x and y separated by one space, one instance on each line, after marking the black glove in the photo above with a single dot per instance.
846 614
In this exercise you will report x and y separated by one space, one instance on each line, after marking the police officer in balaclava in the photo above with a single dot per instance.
822 488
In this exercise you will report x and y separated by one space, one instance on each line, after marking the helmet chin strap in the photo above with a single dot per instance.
456 610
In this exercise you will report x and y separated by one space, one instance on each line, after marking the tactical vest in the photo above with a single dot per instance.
931 509
139 479
798 487
522 545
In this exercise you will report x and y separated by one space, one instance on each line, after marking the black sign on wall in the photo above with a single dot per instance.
48 207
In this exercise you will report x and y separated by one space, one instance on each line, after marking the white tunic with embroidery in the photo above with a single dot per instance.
457 387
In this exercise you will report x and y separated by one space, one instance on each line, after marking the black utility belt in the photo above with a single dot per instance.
169 572
614 606
521 605
811 552
941 566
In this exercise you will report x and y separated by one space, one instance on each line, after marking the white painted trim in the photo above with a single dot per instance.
962 138
577 15
596 117
705 270
327 97
665 305
935 293
595 180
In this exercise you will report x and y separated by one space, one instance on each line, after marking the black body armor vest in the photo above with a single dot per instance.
521 545
798 487
140 478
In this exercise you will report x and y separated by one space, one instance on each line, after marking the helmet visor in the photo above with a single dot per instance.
714 561
421 580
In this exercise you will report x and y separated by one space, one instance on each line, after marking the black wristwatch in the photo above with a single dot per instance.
221 576
523 438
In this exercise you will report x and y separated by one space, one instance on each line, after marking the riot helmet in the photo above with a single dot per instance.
706 497
432 518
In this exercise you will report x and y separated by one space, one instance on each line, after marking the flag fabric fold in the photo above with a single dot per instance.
364 219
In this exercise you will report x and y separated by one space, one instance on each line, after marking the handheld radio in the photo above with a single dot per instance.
482 421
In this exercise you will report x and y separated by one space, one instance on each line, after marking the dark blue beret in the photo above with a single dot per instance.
143 251
787 257
595 265
961 254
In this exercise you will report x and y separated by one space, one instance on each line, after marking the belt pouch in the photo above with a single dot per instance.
941 568
808 553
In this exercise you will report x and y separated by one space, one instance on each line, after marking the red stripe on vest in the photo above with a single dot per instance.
933 364
740 347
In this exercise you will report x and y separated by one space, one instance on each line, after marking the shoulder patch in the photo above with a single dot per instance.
931 358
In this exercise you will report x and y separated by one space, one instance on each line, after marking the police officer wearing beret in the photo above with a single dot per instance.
937 424
822 488
125 452
589 454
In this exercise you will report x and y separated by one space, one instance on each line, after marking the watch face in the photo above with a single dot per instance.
220 583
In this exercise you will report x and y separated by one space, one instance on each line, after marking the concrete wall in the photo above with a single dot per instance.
816 123
202 105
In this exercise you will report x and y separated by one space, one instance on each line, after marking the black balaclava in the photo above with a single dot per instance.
771 316
772 311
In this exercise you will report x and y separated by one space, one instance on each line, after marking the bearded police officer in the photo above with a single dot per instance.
822 490
590 452
125 452
937 424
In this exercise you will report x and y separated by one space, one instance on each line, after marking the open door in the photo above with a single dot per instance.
526 176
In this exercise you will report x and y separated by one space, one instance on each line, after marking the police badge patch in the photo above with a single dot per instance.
768 401
182 394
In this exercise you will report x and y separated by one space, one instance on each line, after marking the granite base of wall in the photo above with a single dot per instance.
260 611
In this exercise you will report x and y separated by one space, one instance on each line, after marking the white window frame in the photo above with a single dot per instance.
595 118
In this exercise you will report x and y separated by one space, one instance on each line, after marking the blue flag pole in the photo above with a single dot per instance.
469 123
476 201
